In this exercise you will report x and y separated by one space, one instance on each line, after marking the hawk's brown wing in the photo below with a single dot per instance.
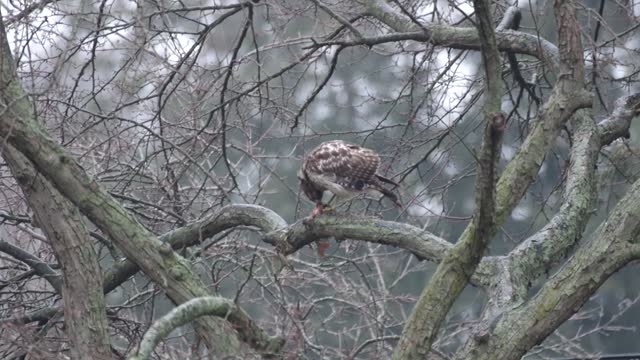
351 166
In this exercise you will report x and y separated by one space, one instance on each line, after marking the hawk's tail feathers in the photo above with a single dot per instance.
386 180
393 197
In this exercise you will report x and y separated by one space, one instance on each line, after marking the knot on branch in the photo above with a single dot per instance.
498 121
584 98
280 240
165 249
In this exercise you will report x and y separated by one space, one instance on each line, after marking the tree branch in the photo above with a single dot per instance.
286 238
613 245
459 264
550 244
617 124
546 247
40 267
465 38
421 243
81 290
195 308
514 273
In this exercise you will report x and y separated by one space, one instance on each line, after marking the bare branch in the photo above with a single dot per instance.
41 267
466 38
339 18
195 308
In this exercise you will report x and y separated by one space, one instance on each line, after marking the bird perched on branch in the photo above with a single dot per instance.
344 169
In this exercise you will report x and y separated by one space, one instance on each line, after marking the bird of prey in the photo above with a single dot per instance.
345 170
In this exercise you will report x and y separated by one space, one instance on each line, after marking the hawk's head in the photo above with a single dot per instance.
313 193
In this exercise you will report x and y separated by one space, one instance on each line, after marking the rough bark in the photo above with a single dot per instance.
613 245
513 273
84 305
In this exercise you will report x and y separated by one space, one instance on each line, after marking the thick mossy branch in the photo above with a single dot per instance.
288 239
463 38
537 254
421 243
567 97
523 168
574 217
552 243
195 308
459 264
228 217
613 245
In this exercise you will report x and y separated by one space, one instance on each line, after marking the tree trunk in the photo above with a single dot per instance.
82 294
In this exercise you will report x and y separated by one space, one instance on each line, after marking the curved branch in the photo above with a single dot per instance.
421 243
195 308
287 238
226 218
549 245
513 274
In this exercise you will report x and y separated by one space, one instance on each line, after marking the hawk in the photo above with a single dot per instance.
345 170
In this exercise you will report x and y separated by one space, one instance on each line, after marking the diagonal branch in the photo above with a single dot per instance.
81 285
339 18
514 273
459 264
40 267
286 238
541 251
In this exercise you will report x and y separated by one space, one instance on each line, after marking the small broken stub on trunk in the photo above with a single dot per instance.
499 121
